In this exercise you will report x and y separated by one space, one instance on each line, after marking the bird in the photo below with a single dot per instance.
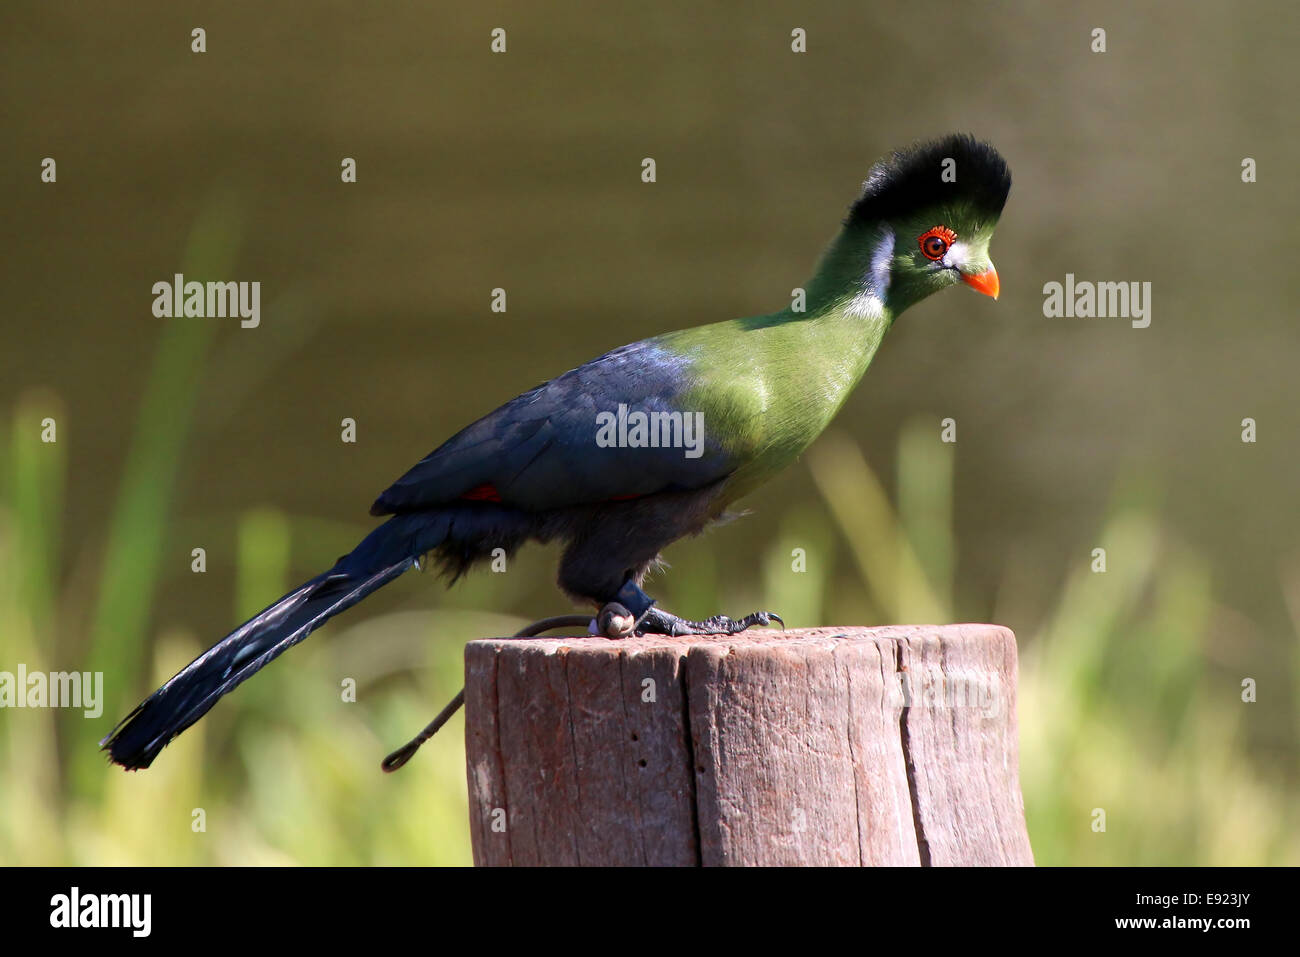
647 444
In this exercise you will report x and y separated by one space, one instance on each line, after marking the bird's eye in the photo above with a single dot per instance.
935 242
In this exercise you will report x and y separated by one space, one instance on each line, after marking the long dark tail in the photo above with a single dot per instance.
387 552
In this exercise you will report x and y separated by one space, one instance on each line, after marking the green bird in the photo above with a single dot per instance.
647 444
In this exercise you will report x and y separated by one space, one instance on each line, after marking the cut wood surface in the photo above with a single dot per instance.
825 746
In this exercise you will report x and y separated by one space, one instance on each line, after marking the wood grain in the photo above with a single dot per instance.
828 746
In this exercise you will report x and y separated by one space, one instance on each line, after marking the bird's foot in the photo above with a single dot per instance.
657 622
634 610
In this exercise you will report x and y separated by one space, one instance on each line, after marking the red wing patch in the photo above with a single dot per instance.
486 492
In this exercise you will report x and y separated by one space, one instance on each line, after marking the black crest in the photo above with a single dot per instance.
910 180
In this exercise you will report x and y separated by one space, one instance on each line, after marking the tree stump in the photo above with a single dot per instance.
825 746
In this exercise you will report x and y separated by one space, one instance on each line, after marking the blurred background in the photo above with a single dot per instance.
522 171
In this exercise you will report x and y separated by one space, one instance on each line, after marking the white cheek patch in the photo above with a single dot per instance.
866 305
880 257
956 255
870 302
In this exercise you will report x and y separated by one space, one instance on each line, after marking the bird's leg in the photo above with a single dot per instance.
654 621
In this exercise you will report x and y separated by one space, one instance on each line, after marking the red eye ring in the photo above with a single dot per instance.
934 242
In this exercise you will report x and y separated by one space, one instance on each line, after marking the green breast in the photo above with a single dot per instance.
769 385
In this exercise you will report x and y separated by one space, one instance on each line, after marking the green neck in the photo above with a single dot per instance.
856 261
848 311
772 383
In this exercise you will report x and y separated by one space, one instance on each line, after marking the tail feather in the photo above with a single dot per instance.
189 695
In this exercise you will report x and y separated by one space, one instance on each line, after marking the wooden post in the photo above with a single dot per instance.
826 746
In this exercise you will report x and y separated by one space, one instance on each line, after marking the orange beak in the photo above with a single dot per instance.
985 282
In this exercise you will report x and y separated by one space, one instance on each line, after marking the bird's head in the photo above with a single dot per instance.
923 222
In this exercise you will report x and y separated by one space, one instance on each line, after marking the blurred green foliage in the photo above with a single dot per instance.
1117 708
